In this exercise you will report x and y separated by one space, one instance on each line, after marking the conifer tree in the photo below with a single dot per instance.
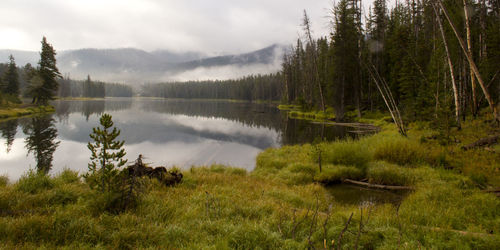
11 78
106 155
45 90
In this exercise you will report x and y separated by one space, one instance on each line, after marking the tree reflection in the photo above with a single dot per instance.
93 107
40 140
9 130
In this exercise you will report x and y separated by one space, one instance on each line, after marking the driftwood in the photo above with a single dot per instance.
378 186
482 142
139 169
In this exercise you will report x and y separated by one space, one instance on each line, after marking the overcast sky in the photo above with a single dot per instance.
210 26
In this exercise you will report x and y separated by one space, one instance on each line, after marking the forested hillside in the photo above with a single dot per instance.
432 60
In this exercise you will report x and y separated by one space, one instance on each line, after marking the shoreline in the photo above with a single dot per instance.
18 112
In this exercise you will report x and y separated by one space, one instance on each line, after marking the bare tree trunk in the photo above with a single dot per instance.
482 36
473 66
469 50
450 65
307 27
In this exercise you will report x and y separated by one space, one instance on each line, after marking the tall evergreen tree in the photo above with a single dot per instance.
45 90
11 78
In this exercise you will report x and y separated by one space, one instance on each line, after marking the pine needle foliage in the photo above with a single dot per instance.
106 156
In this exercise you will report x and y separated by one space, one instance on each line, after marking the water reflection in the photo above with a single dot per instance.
89 107
299 131
167 132
9 130
355 195
40 140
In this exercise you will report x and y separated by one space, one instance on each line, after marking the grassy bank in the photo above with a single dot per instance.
18 111
224 208
283 204
297 112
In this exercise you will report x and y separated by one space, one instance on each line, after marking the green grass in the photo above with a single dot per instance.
283 204
297 112
12 112
218 207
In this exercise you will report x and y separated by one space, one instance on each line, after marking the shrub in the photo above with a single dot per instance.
389 174
400 151
63 197
348 153
68 176
303 168
32 182
4 180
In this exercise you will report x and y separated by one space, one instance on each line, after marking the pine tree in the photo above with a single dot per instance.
106 156
11 78
45 90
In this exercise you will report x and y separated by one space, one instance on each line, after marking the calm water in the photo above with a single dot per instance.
167 132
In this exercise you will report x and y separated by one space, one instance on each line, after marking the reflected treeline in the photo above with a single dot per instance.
89 107
9 130
251 114
40 140
300 131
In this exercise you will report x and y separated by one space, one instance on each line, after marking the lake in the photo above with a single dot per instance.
167 132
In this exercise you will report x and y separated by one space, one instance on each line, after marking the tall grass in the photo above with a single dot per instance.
223 208
280 205
4 180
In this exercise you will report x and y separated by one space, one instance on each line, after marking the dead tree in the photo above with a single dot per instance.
307 28
472 65
450 65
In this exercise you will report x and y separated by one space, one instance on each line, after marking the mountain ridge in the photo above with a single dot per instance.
131 65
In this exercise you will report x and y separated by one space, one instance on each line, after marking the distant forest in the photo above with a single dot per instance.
422 60
72 88
93 89
432 60
250 88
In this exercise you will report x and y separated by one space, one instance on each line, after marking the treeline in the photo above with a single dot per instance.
15 81
422 55
250 88
38 83
93 89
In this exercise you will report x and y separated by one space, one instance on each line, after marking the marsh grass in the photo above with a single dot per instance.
221 207
12 112
279 205
4 180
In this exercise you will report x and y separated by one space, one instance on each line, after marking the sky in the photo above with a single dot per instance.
210 26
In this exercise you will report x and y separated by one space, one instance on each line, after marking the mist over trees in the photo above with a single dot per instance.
412 49
93 89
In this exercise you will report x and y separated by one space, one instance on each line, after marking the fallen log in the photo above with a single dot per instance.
378 186
493 191
482 142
